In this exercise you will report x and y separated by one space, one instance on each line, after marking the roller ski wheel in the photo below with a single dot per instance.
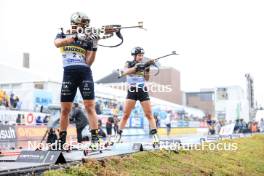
156 145
93 148
68 148
86 152
107 144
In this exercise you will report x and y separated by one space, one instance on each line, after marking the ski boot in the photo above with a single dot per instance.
95 141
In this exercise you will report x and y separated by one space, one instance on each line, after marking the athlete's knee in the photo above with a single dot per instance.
126 116
89 108
149 115
65 111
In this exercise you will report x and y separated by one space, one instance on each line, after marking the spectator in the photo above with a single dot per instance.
236 128
261 125
243 126
240 125
254 127
16 100
116 120
46 119
1 95
5 102
156 117
121 107
39 120
80 120
98 108
12 100
18 120
18 103
109 126
100 123
100 130
168 123
211 125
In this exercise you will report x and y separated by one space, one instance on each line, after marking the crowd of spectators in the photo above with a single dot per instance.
251 127
241 126
9 101
108 107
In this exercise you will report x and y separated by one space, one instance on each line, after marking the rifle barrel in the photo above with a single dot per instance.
127 27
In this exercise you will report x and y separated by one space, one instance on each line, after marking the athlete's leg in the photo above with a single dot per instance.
86 87
129 105
64 122
68 92
153 128
92 116
93 123
65 111
146 105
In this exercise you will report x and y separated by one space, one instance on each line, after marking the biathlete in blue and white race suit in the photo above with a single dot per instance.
78 54
137 75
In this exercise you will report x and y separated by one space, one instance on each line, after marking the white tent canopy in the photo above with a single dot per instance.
9 74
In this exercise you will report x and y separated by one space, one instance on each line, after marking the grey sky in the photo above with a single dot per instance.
218 41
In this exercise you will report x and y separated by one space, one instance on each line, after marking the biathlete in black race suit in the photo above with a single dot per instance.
137 75
78 54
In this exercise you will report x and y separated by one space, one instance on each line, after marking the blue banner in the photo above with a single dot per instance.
42 98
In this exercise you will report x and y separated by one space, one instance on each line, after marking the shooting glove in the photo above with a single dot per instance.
81 37
140 67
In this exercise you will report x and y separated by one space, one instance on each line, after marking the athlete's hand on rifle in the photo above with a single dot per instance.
140 67
94 37
149 63
81 37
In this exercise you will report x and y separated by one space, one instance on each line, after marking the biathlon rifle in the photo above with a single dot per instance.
148 64
104 32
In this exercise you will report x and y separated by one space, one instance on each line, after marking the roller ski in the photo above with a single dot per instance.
108 144
95 145
118 137
93 148
155 139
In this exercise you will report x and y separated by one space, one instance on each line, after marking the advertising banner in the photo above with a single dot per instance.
22 117
7 133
